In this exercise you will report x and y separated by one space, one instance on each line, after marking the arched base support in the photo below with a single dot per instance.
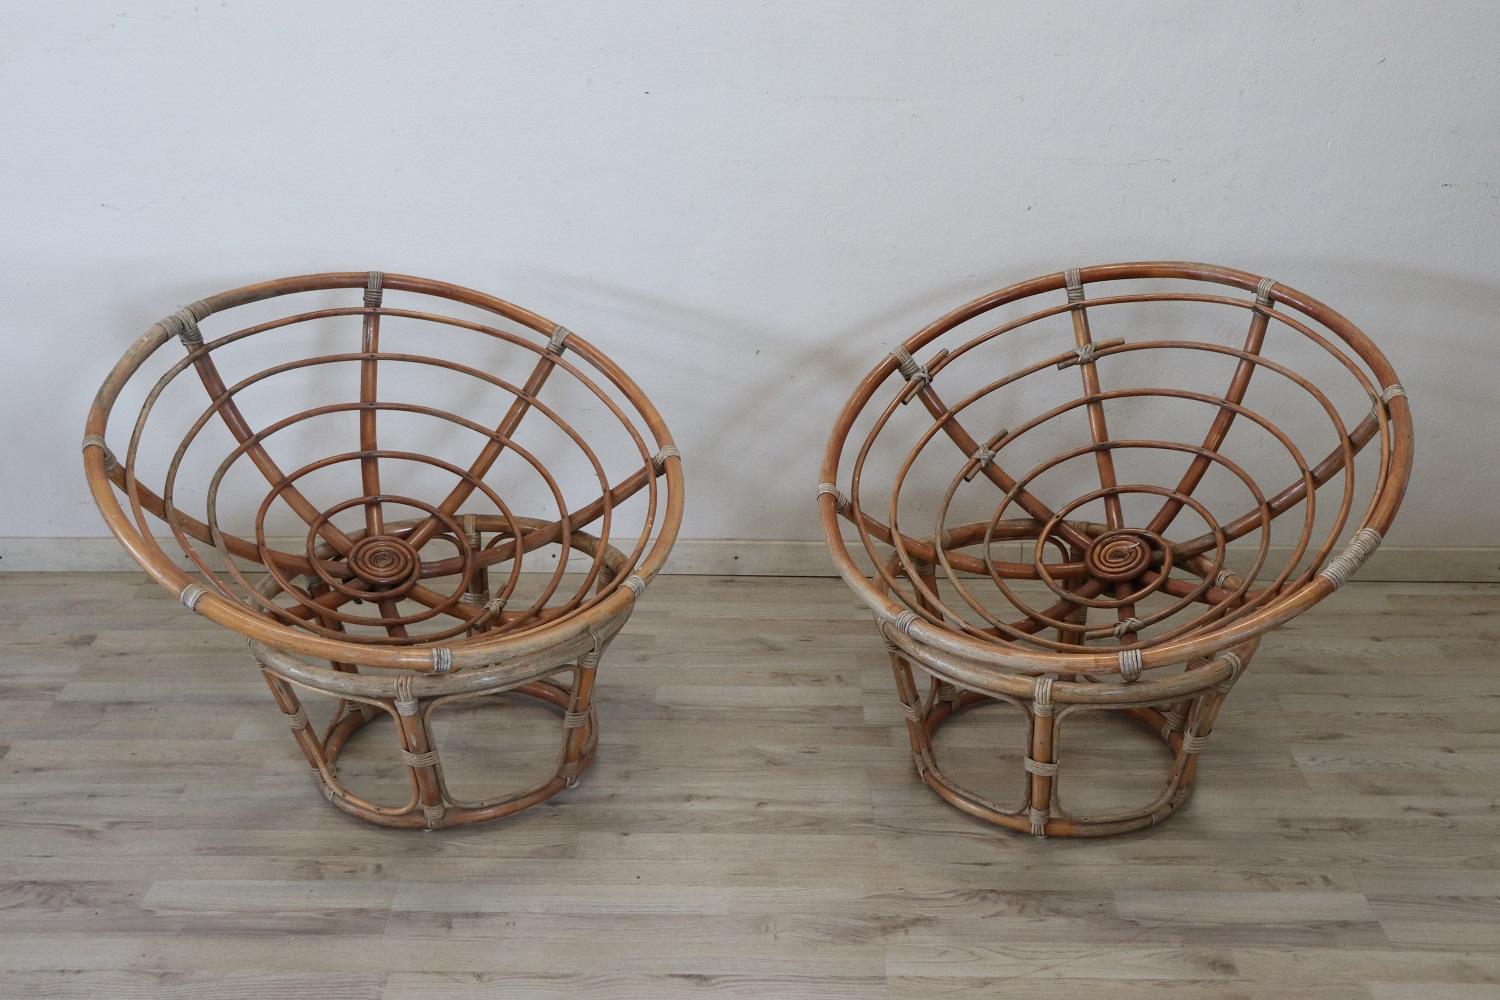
1182 720
433 805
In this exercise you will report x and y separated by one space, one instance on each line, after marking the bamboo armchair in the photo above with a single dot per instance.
1074 588
405 592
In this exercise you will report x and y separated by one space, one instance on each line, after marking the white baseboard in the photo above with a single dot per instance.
753 557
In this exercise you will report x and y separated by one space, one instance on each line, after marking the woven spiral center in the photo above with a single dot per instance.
1119 555
384 561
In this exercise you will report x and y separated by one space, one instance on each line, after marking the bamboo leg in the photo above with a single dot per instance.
1041 762
477 586
911 706
1201 723
418 752
291 707
578 720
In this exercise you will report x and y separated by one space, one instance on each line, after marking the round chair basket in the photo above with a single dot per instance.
1088 495
400 549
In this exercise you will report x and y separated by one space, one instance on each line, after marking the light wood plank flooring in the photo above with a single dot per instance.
752 827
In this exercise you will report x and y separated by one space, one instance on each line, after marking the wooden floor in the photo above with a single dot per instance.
752 828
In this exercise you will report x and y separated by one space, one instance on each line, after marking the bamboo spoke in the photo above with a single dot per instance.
967 444
1219 429
235 421
1293 494
369 370
492 448
1098 428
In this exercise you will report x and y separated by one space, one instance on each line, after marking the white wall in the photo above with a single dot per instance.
746 204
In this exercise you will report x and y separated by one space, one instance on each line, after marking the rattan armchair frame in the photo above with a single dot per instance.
950 651
464 644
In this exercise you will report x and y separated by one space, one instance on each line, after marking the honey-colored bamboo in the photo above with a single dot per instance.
1168 668
353 615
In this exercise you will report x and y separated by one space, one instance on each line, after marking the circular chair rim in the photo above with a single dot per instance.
897 620
465 651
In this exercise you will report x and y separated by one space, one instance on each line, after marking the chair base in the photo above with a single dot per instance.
1055 825
1182 723
432 804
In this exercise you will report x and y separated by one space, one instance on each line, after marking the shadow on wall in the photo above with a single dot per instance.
761 439
753 439
1407 331
1398 308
